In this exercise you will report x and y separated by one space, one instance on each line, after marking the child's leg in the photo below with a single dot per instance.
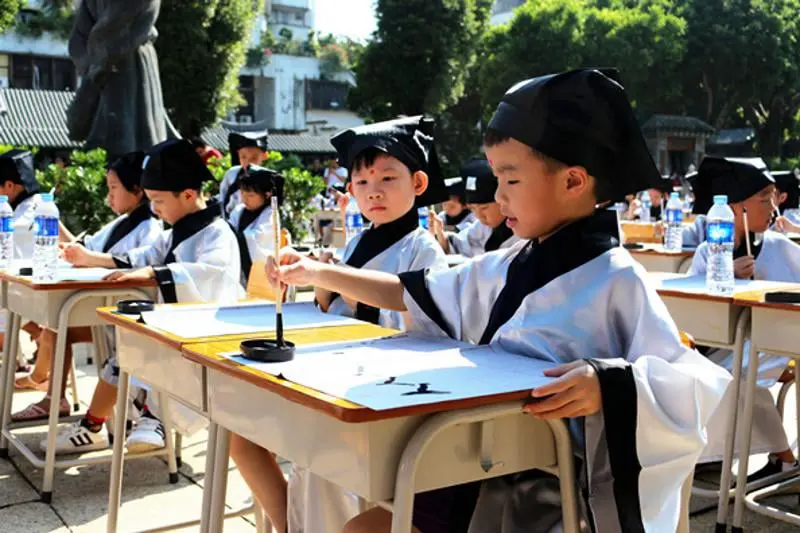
376 520
263 475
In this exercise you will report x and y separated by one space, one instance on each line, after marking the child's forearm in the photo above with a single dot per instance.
378 289
96 259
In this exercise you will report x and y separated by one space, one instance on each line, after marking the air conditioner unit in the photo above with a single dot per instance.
245 119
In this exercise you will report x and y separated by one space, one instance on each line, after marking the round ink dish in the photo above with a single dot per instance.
267 350
134 307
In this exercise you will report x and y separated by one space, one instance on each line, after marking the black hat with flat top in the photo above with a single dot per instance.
174 165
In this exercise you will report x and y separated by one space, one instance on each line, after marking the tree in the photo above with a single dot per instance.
419 57
201 47
8 11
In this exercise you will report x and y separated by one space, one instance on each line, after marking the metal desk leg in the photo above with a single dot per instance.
742 331
115 486
745 433
10 346
220 486
56 375
169 434
208 480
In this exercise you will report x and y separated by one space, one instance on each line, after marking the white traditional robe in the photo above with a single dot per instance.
258 234
695 234
145 232
464 224
24 230
778 259
471 241
658 395
228 179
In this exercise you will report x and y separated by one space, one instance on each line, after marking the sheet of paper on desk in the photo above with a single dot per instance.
697 284
82 274
405 370
212 320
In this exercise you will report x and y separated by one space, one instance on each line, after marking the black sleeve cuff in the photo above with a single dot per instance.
415 284
367 313
166 284
121 261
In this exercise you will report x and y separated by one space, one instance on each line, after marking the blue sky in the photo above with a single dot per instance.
351 18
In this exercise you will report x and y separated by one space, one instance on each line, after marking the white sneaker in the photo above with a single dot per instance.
76 438
148 435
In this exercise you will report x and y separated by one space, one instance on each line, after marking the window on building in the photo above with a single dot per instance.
4 71
322 94
247 90
40 72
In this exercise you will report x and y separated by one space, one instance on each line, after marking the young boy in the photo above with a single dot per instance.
455 215
695 234
788 200
562 146
394 170
134 227
749 187
252 219
490 231
18 182
197 260
247 148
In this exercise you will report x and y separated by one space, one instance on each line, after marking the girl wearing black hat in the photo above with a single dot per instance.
247 148
134 227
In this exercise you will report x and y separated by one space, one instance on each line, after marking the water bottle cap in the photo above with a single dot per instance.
720 199
3 198
47 197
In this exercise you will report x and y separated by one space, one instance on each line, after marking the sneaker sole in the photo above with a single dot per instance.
141 447
82 449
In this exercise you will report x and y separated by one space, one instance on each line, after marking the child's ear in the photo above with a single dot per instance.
577 179
420 180
349 187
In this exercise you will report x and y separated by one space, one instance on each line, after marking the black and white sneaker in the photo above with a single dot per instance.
78 438
147 436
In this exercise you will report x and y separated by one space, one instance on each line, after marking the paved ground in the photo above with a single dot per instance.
81 494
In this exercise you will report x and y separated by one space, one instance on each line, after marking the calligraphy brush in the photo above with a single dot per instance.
276 230
746 232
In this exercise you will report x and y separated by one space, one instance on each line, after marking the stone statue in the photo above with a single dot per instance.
118 105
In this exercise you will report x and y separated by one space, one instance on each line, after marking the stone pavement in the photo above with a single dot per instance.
80 496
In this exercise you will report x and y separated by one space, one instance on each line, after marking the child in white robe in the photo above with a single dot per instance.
455 214
247 148
561 146
749 186
393 171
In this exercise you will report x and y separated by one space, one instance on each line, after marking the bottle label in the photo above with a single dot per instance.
46 227
720 233
6 224
674 216
354 220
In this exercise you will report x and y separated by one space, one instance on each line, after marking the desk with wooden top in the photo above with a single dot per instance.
56 306
774 330
654 258
382 456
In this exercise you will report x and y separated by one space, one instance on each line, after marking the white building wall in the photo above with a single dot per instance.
340 120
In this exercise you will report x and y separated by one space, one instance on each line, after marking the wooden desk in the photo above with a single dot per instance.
56 306
640 232
774 330
657 259
384 455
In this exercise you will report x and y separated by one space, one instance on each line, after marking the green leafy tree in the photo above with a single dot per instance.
8 11
419 57
201 48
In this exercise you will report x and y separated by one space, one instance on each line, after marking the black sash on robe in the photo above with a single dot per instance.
755 249
247 218
456 220
183 229
127 225
231 191
499 235
372 243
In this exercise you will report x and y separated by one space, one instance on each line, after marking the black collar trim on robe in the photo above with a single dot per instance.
374 242
539 263
141 213
237 183
755 249
188 226
499 235
21 197
454 221
247 218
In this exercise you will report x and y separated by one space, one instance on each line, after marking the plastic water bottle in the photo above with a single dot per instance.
353 222
45 248
6 232
720 236
673 232
646 205
422 214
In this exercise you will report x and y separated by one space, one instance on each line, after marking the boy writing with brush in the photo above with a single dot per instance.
563 147
761 254
393 170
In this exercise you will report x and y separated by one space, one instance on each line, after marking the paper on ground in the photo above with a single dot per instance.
213 320
387 373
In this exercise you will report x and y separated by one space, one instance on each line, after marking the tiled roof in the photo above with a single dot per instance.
217 137
35 118
38 118
676 123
